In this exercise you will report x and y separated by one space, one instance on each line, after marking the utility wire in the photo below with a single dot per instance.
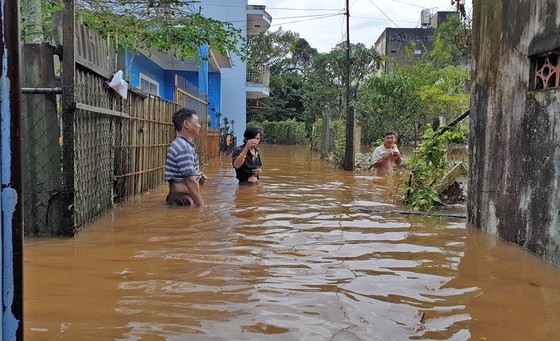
323 17
383 19
383 13
305 9
319 16
282 8
408 3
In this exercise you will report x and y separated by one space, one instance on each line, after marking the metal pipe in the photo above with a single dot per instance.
31 91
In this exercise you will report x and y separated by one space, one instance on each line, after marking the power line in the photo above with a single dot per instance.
305 16
317 16
383 19
323 17
408 3
306 9
383 13
282 8
342 32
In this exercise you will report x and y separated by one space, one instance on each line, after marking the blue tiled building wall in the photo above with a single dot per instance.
166 79
214 99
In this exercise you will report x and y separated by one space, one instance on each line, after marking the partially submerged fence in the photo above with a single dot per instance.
109 147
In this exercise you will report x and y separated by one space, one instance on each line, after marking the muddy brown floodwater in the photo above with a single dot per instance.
307 255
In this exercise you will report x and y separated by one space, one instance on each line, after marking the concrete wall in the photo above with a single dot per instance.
514 189
440 17
394 42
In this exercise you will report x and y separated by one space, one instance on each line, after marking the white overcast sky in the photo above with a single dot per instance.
368 18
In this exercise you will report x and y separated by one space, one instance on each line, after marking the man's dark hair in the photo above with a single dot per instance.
387 133
181 116
251 133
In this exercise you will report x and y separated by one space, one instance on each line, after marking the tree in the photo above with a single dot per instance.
325 82
389 103
414 95
285 100
302 55
453 42
270 47
37 19
274 49
170 26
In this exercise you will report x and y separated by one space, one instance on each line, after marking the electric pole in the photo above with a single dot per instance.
349 147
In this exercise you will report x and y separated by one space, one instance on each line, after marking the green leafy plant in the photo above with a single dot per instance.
287 132
427 166
336 142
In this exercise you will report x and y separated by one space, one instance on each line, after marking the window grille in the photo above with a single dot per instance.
546 69
149 85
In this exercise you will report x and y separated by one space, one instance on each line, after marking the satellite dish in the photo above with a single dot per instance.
119 84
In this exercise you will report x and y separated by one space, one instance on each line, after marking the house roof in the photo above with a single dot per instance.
216 61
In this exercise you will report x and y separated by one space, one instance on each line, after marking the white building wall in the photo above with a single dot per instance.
234 89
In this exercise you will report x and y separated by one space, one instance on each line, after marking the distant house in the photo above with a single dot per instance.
224 79
394 42
154 73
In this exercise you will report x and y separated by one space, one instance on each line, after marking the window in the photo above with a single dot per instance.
149 85
545 70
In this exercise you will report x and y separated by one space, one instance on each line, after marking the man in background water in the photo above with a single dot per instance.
386 156
182 167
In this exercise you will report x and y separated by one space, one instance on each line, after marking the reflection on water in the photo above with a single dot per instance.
297 258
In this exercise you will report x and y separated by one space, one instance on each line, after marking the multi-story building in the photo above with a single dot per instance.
238 83
396 44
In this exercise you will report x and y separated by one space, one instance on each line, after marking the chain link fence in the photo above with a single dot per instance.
108 146
42 160
85 147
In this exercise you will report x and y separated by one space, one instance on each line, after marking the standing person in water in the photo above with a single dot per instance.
246 159
182 167
386 156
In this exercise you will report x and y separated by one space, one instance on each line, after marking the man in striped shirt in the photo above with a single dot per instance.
182 168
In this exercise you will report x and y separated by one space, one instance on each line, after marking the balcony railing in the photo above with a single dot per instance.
259 74
262 8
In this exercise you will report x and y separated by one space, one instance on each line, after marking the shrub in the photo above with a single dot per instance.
337 130
427 166
284 132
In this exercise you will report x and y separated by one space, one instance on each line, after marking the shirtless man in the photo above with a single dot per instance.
182 167
385 157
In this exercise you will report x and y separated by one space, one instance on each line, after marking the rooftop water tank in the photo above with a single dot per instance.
425 17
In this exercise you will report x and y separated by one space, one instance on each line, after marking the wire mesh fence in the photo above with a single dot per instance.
42 167
85 146
118 149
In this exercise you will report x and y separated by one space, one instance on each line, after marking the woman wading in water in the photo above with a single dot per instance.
246 159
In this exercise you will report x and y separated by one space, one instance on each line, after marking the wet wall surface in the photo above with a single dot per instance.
514 127
307 255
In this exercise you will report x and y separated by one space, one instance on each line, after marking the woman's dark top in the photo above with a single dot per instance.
251 163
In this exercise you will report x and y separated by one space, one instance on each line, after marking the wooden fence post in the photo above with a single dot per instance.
68 110
41 157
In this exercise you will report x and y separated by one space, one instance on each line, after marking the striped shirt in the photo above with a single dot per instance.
182 160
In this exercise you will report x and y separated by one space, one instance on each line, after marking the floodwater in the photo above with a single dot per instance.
310 254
